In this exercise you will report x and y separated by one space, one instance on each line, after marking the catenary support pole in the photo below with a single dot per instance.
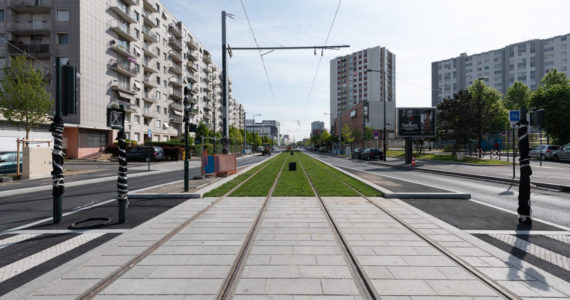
225 129
524 209
122 186
186 148
56 129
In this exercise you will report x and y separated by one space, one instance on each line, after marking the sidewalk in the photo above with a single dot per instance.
558 178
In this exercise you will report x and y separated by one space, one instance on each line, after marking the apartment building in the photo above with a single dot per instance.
129 53
351 84
526 61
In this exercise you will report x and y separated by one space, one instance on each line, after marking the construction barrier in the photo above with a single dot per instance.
225 164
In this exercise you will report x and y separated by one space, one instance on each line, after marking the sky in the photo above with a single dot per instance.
293 88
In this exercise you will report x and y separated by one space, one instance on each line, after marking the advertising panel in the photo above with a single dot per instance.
416 122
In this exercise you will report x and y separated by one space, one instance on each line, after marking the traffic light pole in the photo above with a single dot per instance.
56 129
122 186
186 121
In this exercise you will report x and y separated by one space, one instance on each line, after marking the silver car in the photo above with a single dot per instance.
563 153
543 152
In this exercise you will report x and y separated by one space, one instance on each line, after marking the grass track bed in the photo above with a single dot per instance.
326 184
293 183
259 185
226 187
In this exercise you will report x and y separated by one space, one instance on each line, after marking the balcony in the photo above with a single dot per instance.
207 58
149 113
192 44
37 27
193 100
122 12
121 49
122 88
207 79
39 51
176 81
150 6
149 36
122 30
176 118
147 66
176 69
192 55
175 56
126 70
208 88
194 90
207 116
148 21
176 93
148 51
176 106
207 70
148 83
31 6
131 2
175 30
193 78
192 66
208 107
150 97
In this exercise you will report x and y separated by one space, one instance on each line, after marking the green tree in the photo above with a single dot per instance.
553 95
489 114
325 137
236 136
368 133
454 119
202 132
24 100
347 134
517 95
256 140
356 134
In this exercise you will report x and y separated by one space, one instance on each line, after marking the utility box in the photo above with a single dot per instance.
36 162
292 166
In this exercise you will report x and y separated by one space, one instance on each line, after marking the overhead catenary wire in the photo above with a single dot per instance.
26 54
261 58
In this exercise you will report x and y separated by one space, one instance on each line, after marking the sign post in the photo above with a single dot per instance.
148 150
116 120
376 135
524 209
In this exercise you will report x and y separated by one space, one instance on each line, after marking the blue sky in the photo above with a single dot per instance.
417 31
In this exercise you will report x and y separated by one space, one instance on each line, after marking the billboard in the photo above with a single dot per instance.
416 122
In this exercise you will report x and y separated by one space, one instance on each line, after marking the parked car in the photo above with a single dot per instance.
544 151
563 153
142 152
372 154
357 153
8 162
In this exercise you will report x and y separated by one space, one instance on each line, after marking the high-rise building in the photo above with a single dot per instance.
317 127
352 83
526 61
130 53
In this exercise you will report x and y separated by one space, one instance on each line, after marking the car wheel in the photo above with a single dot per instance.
555 158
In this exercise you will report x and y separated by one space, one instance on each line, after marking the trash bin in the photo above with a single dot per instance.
292 166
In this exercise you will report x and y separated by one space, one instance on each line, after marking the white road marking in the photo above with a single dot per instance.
562 238
65 231
519 232
33 260
543 253
16 239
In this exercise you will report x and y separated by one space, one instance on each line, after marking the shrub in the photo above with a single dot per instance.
172 152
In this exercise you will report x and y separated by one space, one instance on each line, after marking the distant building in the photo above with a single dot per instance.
269 128
286 140
526 61
351 84
317 128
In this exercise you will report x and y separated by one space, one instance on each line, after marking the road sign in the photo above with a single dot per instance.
149 132
376 134
514 116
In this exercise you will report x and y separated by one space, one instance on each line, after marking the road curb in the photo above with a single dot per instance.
561 188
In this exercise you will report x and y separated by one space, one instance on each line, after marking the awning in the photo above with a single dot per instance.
165 125
128 97
138 85
137 51
178 113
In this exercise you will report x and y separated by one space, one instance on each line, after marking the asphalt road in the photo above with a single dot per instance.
23 209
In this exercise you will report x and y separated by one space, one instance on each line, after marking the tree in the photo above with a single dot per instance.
356 134
325 137
553 95
201 132
455 119
236 136
256 140
517 95
490 116
368 133
24 100
347 134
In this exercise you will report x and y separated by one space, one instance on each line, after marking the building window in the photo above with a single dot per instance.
137 120
2 15
63 38
137 33
62 15
137 16
158 109
137 136
157 123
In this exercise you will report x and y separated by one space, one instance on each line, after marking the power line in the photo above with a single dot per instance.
320 59
261 57
26 54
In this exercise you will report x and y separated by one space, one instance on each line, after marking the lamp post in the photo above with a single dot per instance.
383 72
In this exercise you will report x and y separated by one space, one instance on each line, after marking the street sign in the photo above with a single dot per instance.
514 116
149 133
376 134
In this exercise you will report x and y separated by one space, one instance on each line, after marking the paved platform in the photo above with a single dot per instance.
295 254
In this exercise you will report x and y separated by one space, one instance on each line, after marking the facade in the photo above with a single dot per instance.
317 127
361 115
286 140
351 83
526 61
268 128
130 53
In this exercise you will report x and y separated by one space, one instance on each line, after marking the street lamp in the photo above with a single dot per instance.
383 72
253 135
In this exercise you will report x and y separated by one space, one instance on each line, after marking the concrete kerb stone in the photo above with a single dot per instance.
389 194
505 257
31 287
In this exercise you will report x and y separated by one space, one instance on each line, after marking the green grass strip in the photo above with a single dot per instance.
260 184
226 187
293 183
450 158
326 184
360 186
